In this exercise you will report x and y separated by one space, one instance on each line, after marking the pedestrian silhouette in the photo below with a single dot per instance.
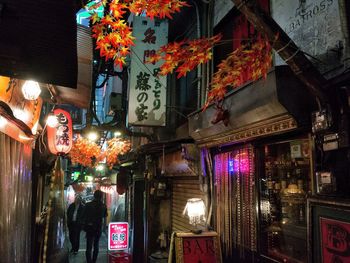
74 220
94 213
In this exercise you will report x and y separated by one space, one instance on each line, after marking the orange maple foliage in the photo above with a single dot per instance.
112 33
156 8
185 55
85 152
89 154
255 60
116 146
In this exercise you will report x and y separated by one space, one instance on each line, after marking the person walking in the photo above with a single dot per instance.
94 213
74 217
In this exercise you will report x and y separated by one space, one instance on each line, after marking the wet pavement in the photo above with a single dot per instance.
80 257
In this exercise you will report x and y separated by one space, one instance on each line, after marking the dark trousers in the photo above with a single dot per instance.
74 235
92 239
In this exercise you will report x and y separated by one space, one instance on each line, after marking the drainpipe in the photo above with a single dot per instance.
207 69
199 68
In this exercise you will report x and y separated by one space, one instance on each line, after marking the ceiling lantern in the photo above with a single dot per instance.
52 121
60 136
31 90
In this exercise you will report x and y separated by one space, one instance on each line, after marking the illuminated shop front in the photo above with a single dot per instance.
260 166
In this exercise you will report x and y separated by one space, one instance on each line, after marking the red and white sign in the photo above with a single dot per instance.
118 236
60 137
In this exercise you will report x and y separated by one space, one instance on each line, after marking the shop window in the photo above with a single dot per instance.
284 186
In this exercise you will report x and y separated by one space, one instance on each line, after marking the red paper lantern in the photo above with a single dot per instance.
60 137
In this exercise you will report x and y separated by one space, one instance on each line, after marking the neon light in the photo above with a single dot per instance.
242 160
83 15
231 166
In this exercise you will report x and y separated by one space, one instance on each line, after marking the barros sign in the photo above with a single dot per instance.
314 25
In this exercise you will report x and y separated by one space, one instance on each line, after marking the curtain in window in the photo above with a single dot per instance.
15 200
235 200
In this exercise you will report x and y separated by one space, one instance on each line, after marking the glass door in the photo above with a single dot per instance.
285 182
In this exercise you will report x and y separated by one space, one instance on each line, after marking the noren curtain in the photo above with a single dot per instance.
15 200
235 217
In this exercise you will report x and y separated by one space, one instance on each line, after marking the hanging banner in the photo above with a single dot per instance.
147 96
60 137
118 236
19 118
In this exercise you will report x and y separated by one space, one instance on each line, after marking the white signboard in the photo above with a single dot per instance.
147 91
314 25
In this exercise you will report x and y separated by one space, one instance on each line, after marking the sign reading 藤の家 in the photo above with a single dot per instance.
147 96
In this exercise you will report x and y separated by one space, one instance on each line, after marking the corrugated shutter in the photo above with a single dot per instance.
182 190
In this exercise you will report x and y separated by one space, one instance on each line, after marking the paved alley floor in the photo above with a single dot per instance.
80 257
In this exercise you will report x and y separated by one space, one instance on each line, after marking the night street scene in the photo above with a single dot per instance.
175 131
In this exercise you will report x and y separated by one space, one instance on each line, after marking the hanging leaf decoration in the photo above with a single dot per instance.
89 154
112 33
255 60
116 146
156 8
85 152
185 55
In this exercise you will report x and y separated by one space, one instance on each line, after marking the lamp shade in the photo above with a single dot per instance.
31 90
195 210
60 137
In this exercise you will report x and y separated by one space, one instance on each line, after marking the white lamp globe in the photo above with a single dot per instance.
31 90
52 121
92 136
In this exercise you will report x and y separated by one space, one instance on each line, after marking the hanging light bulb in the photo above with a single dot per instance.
31 90
92 136
117 134
52 121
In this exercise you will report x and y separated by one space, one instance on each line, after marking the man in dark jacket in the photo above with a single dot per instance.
74 216
94 213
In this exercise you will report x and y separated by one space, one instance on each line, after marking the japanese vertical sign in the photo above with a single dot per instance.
60 137
118 235
147 96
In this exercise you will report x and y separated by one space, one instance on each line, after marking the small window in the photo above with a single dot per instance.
144 22
157 23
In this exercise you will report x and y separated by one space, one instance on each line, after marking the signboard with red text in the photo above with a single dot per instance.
204 247
118 236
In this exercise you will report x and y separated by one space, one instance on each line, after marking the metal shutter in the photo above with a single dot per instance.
183 189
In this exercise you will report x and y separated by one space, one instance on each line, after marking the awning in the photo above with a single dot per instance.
272 105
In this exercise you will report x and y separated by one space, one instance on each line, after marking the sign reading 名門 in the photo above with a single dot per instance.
147 96
118 235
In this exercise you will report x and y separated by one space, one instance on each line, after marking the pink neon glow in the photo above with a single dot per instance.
241 162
